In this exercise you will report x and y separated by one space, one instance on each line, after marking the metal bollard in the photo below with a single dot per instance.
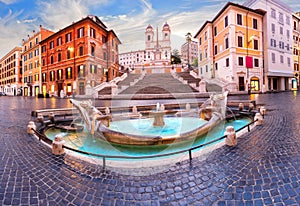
230 140
251 106
31 125
57 145
241 106
263 111
258 118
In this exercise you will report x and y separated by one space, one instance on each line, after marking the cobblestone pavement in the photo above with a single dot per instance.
263 169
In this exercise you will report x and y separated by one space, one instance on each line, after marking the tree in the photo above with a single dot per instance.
195 62
175 57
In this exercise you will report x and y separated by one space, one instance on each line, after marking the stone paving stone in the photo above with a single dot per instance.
263 169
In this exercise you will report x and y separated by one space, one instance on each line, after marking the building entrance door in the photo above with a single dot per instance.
81 88
241 84
254 84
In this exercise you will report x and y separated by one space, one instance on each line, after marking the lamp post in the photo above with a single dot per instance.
72 50
298 69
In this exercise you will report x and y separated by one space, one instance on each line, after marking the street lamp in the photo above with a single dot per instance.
72 50
249 64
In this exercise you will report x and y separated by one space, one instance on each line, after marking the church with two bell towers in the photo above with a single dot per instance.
157 53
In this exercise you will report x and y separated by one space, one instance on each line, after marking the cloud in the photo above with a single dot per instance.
130 28
12 35
7 2
58 14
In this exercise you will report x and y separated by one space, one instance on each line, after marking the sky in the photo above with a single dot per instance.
128 18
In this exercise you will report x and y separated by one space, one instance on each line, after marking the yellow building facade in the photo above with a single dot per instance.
231 48
31 53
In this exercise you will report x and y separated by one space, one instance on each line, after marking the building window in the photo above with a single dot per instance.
59 57
206 53
226 43
281 59
51 44
206 68
51 59
104 56
59 74
227 62
226 21
200 56
273 58
216 66
104 39
80 32
281 44
256 63
273 42
240 41
205 35
289 61
254 23
52 77
69 73
255 44
81 51
59 41
288 33
288 47
281 30
241 61
36 40
93 69
215 31
68 37
44 77
273 28
43 48
288 20
295 26
68 54
93 32
36 52
81 71
273 13
200 41
93 51
30 45
239 19
216 49
280 18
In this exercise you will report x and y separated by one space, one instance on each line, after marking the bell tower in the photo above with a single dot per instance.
149 35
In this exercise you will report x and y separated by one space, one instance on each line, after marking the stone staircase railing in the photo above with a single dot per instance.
109 84
182 80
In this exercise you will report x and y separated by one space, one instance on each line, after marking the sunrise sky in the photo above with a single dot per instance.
128 18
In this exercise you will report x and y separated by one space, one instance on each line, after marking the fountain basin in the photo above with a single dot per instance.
128 133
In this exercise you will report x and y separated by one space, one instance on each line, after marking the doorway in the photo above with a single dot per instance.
254 84
241 84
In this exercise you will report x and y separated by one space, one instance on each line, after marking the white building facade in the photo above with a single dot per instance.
189 52
10 72
157 53
278 56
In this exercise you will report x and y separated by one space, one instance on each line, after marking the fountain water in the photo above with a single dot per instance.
188 129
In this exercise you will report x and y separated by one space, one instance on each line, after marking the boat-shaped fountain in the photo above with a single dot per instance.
155 127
